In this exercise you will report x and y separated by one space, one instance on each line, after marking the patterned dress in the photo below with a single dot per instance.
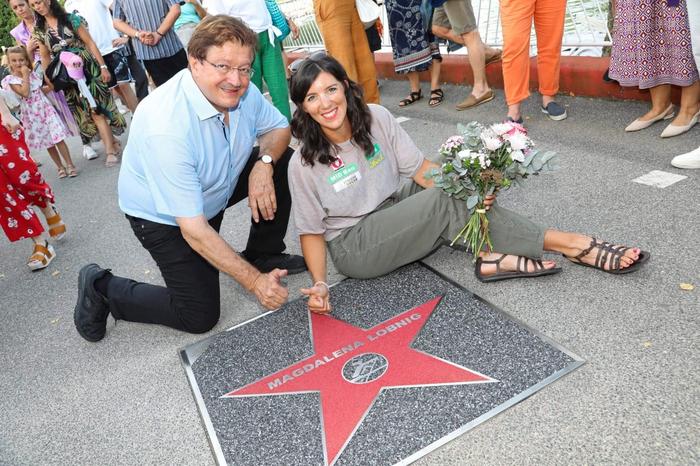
651 44
42 126
414 46
22 34
66 39
21 186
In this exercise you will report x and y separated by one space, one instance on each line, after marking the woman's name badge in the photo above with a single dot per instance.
338 164
345 177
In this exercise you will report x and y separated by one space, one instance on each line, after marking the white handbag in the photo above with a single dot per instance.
368 11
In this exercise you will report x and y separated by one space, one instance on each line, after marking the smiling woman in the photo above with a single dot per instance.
360 192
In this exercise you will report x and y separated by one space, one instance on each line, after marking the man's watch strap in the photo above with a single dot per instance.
266 159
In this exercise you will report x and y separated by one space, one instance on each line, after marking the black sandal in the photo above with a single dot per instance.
611 255
521 266
412 97
436 97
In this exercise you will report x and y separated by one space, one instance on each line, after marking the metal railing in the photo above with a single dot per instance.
585 29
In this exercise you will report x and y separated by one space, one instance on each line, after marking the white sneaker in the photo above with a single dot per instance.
89 153
690 160
122 108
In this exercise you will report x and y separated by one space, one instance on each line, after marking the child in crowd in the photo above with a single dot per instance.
22 186
43 127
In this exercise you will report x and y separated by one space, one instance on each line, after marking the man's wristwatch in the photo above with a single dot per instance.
266 159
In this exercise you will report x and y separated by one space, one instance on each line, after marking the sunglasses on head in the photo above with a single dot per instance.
296 64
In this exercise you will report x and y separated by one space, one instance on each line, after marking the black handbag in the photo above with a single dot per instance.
57 73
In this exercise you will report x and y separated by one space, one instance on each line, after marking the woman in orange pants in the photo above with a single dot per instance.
346 41
517 17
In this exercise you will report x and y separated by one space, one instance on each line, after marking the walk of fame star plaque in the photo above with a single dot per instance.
404 364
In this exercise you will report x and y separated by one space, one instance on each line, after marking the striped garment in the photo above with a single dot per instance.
147 15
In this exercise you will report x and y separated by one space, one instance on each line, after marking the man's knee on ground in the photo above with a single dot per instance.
200 317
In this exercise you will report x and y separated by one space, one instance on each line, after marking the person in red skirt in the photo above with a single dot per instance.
23 186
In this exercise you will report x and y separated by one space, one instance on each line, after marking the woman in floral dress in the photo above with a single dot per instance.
42 125
652 50
58 31
22 186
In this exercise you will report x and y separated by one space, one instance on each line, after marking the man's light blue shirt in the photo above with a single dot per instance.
181 159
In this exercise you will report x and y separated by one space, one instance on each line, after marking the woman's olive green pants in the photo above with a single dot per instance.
416 221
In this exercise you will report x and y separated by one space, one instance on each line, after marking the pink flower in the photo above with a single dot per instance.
518 141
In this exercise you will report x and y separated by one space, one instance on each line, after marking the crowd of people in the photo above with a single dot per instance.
344 180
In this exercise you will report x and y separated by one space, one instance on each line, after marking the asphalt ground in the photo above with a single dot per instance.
125 400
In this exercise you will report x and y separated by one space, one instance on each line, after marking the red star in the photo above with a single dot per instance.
349 384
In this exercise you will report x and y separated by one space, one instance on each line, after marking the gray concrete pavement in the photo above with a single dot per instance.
126 400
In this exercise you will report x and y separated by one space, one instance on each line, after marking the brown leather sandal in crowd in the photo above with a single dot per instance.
72 171
436 97
62 173
521 266
41 257
413 97
57 229
609 255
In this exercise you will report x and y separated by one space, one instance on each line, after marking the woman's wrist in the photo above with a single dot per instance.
321 282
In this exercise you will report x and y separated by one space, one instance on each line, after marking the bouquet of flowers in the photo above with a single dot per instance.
480 161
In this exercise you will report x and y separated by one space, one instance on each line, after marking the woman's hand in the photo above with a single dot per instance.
293 28
119 41
10 123
105 75
32 45
489 200
319 298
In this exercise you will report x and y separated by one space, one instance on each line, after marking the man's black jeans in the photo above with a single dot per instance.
190 299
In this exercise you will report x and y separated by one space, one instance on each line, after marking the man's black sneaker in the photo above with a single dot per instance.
91 310
290 262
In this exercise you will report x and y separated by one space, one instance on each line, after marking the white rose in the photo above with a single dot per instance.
518 156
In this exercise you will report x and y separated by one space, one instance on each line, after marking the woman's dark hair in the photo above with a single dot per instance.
56 10
315 146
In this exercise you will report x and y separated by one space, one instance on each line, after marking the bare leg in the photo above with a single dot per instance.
690 104
435 74
514 111
53 153
475 48
107 139
65 153
660 100
128 96
414 81
449 34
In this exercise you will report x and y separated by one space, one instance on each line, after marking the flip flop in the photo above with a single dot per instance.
521 265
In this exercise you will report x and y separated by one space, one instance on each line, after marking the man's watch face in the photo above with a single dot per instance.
266 159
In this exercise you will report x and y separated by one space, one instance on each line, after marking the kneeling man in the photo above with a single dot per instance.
190 156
